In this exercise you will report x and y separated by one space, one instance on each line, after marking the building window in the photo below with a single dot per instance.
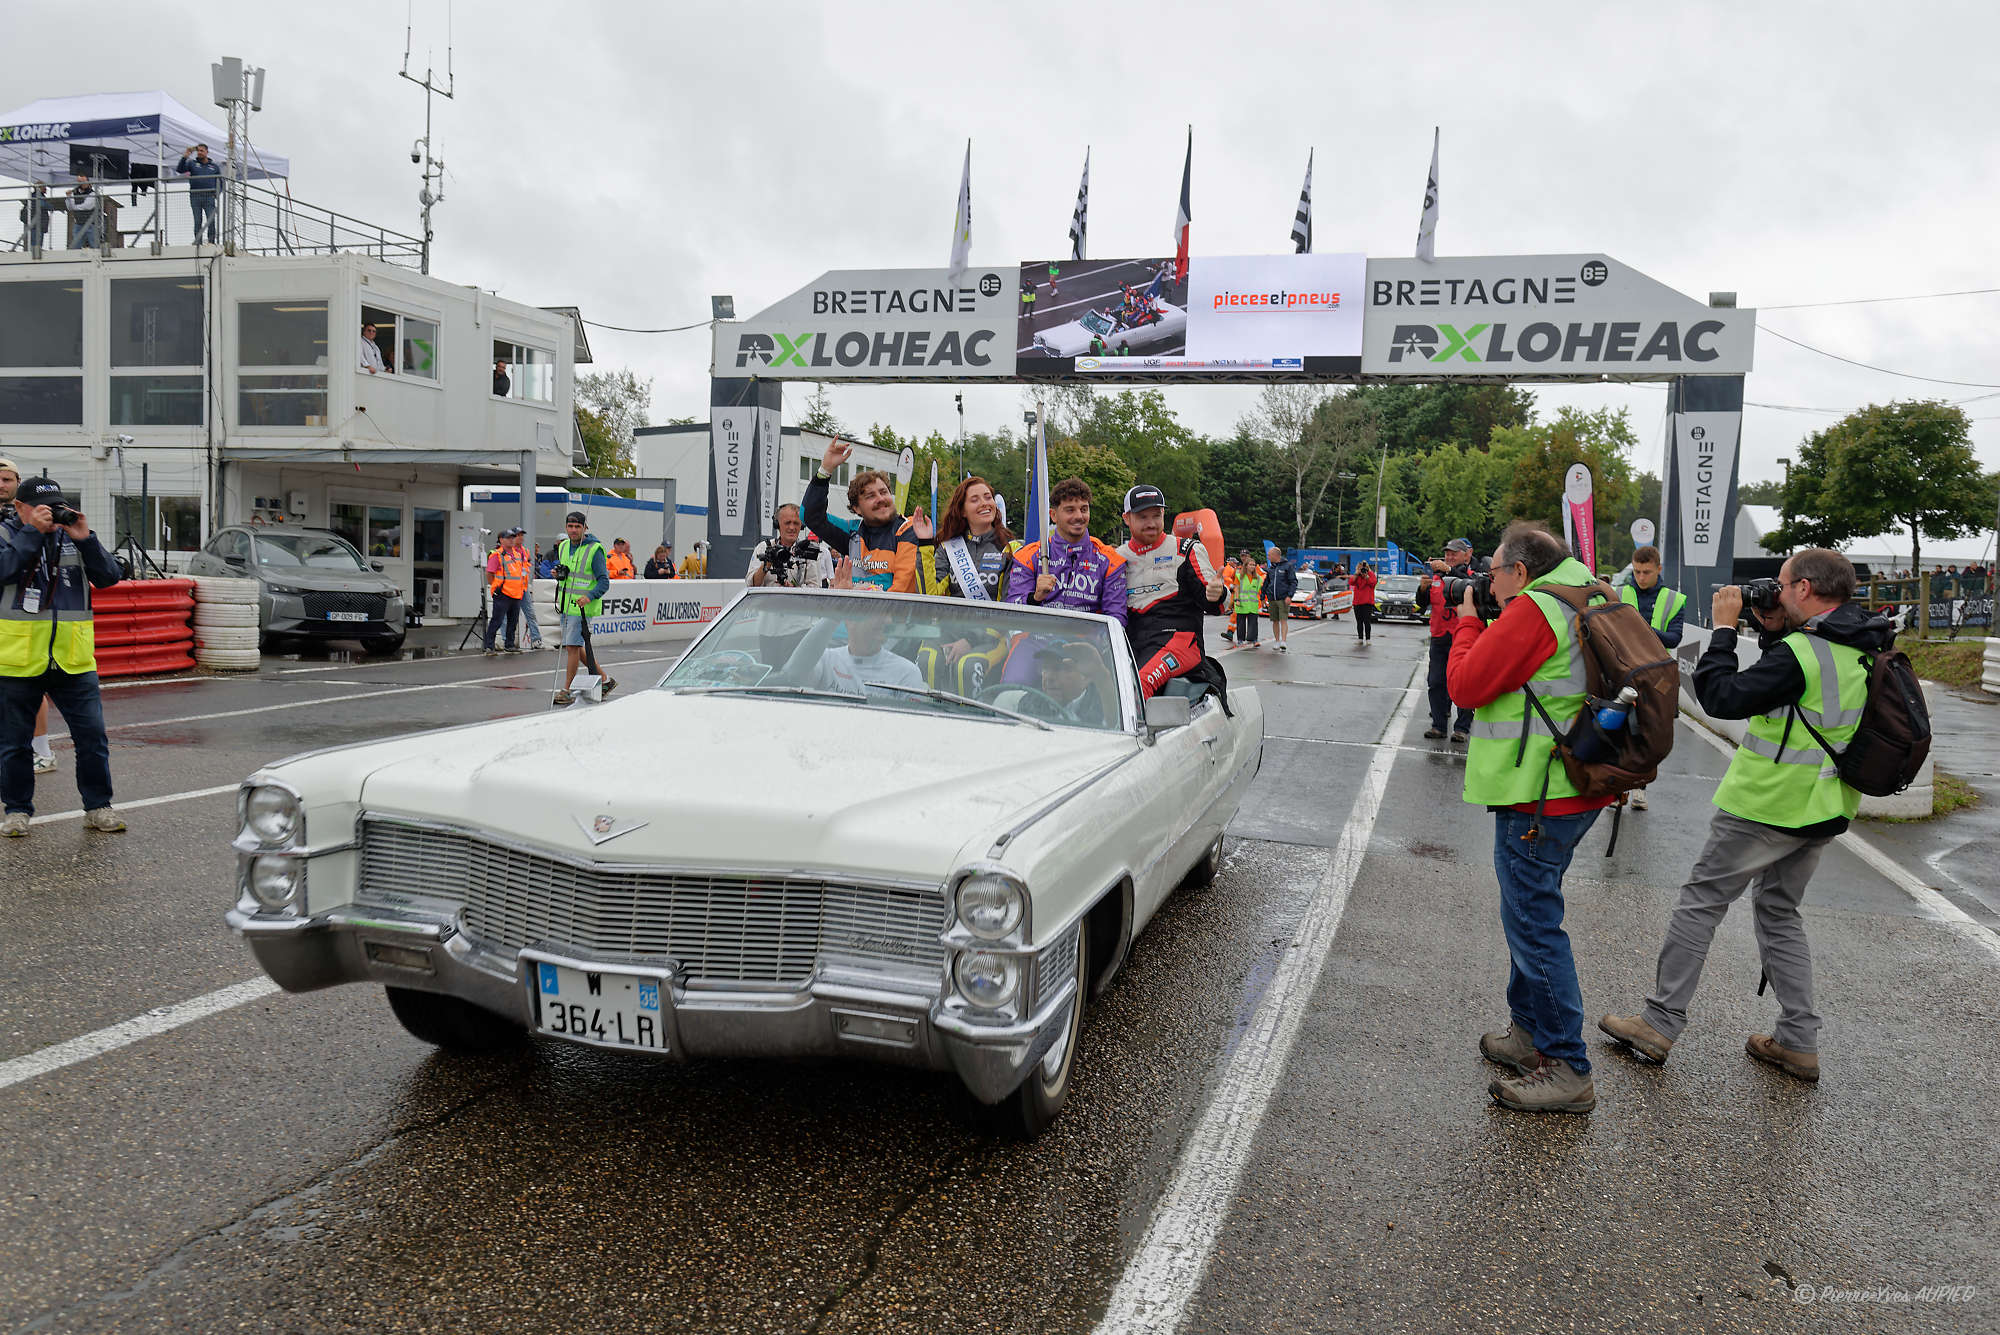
168 523
385 531
287 342
41 328
156 322
156 400
429 545
408 343
350 521
524 373
805 469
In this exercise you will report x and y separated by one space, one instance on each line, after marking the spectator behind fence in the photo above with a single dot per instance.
662 564
35 218
204 184
619 563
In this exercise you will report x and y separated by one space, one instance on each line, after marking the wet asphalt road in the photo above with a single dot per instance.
298 1163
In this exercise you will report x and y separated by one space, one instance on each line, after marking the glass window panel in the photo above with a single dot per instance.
281 400
131 523
156 322
349 521
180 523
41 400
430 534
156 400
385 531
419 344
281 333
530 372
41 324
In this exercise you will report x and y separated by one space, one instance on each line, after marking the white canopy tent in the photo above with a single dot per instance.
152 127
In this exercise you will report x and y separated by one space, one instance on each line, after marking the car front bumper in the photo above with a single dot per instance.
850 1013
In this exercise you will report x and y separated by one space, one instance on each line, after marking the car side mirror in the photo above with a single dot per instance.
1168 711
376 566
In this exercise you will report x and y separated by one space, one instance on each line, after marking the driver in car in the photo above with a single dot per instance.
1075 678
864 660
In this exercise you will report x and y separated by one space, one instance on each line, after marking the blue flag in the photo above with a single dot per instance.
1035 523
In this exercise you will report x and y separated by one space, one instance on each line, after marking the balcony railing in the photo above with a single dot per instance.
125 215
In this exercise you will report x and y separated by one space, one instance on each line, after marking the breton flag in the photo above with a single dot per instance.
1302 223
1182 216
1428 226
1080 220
961 225
1035 523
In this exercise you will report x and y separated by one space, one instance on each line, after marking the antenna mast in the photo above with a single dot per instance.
420 151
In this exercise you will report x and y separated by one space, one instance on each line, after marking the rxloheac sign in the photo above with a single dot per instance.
1525 317
880 324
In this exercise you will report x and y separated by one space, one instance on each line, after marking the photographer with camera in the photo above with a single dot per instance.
48 647
789 559
1512 769
1457 561
1662 608
582 580
1781 801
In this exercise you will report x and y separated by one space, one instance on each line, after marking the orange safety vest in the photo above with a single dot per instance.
620 567
514 572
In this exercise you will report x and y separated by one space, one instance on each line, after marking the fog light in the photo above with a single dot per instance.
987 980
989 905
275 881
399 957
272 815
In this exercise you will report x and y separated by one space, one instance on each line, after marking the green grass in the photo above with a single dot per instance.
1952 663
1949 793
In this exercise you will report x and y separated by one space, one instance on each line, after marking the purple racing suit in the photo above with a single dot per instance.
1090 577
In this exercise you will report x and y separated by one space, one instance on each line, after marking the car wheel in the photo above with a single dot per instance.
1203 873
1032 1109
382 648
454 1025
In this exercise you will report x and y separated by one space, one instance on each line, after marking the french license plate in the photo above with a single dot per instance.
601 1006
346 616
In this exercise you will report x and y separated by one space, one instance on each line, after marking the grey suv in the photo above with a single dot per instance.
314 585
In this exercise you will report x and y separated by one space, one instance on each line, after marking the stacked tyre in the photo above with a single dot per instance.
141 627
225 624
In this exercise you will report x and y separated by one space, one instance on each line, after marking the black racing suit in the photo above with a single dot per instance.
1166 592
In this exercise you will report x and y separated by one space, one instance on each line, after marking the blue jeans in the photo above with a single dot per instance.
76 699
506 611
1440 695
1543 996
204 216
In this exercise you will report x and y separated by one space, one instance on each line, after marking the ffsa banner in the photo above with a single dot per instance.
1705 457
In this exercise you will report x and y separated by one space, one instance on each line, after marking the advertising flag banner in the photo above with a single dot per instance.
1642 533
933 511
732 435
1705 459
770 425
961 223
1580 515
1427 226
1184 215
1302 221
1035 523
1079 222
1527 317
880 324
906 464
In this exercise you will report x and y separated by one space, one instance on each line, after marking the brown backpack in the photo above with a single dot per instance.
1619 650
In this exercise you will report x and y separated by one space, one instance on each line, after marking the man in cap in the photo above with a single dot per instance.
1457 562
1075 678
48 565
580 588
511 570
1170 585
10 482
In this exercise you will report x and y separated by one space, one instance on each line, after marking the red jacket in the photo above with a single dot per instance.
1489 661
1364 588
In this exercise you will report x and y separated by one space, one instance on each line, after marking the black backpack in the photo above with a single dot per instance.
1894 736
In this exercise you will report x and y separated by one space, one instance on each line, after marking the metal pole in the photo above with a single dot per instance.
1379 535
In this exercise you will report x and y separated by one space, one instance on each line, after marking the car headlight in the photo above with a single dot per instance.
286 589
272 816
987 980
990 905
275 880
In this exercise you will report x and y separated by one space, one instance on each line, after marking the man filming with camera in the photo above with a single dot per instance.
787 561
1512 769
1456 563
1781 802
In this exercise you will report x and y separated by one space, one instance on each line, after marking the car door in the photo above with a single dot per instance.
1178 769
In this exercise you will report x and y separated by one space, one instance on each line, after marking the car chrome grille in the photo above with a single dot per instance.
319 602
1055 964
723 928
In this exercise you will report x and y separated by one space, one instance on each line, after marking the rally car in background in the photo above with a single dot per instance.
1312 601
1396 598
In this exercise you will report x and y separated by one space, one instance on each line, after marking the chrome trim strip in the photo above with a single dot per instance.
1064 795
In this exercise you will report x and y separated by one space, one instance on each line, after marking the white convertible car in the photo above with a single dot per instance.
1165 321
794 845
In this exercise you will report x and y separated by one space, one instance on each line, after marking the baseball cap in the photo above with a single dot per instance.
1057 653
1144 497
510 532
576 517
10 464
40 491
1458 545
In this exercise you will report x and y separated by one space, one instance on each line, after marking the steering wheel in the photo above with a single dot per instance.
1048 707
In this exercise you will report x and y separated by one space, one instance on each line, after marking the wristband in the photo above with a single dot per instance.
822 474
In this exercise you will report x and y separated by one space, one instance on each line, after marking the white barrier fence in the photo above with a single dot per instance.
638 611
1912 801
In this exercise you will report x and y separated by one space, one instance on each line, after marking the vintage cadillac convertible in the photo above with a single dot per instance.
793 845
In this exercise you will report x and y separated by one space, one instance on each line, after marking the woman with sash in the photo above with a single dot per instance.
965 555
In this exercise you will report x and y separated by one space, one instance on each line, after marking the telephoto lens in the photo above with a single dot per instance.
1761 594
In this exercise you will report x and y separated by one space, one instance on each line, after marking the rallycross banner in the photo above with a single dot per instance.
1526 317
1704 451
883 324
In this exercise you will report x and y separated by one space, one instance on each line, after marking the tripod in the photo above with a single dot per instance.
485 616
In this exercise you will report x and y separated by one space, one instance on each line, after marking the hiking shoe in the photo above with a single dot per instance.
1553 1086
1629 1031
565 697
609 685
489 653
1433 734
511 649
1798 1065
1511 1048
1458 734
104 820
45 764
1638 802
14 825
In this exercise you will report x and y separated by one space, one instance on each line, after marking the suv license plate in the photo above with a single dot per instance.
600 1006
346 616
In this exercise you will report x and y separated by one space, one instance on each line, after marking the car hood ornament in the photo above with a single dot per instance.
602 829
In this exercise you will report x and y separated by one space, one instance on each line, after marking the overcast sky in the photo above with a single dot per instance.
633 158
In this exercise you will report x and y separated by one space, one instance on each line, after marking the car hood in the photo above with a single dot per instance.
735 781
331 581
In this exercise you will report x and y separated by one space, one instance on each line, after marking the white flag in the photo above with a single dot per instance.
961 226
1080 220
1427 228
1302 223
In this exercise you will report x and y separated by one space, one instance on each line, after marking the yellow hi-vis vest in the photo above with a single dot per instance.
1664 606
1790 781
32 642
1511 749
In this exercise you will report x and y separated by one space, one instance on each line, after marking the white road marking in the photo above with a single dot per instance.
1935 906
141 802
156 1021
1166 1271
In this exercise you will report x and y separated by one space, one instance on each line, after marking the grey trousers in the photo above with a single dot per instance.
1774 866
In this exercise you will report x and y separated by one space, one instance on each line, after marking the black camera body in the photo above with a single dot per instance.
63 515
1481 587
1761 595
779 558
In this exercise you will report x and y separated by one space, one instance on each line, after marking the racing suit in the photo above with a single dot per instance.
1167 588
1090 577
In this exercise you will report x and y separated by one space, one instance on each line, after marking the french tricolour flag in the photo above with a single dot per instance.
1182 217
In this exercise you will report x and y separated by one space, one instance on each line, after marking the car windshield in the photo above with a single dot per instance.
1398 584
1097 322
314 551
942 656
1308 582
